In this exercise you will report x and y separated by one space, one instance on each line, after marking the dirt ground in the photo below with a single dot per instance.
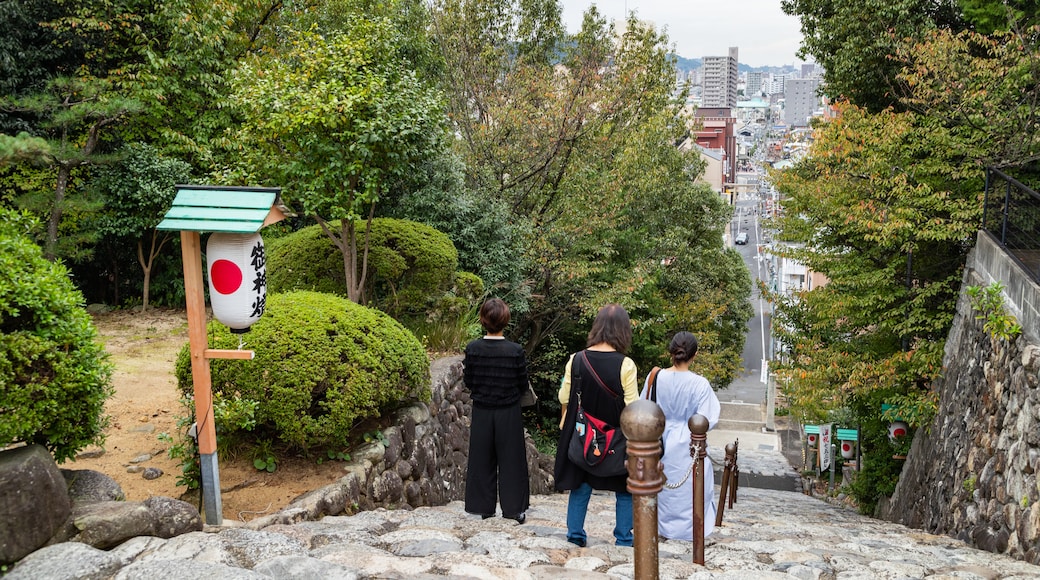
146 402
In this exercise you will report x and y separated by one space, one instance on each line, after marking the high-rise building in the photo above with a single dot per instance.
800 101
720 81
754 84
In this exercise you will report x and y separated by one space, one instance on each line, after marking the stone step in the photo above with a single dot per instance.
734 425
735 411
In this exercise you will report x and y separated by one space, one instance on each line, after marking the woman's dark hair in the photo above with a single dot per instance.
494 315
613 327
682 347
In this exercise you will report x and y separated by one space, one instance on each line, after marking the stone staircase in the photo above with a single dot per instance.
738 416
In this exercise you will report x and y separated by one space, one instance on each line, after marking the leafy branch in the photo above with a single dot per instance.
989 303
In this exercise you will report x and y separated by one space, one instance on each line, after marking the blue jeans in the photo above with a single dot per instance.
578 506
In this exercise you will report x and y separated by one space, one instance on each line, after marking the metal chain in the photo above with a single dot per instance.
694 453
685 477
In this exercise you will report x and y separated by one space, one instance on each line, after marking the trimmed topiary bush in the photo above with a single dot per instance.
410 265
54 376
323 364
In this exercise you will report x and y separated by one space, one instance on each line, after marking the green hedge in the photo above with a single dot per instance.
410 265
322 364
54 376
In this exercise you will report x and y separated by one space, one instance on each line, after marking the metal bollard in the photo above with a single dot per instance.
698 451
735 478
642 422
727 481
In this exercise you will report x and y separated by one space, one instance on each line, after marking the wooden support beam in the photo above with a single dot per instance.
229 354
195 298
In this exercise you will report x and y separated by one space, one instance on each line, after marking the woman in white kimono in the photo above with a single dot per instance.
682 393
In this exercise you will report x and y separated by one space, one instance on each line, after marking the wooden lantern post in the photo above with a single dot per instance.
196 209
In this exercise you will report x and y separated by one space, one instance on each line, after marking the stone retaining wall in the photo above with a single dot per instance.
422 462
973 473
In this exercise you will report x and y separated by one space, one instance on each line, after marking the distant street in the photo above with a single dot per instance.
750 386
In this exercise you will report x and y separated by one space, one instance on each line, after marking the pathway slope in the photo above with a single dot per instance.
768 534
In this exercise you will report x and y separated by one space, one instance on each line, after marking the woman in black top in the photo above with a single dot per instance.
609 339
495 372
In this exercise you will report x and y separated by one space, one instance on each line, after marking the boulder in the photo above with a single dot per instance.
69 560
109 523
172 517
34 502
88 486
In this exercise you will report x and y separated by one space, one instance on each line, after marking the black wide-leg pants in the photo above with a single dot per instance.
497 463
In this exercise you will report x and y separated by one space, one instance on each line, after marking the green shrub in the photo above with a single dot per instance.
453 319
410 265
54 376
322 365
304 260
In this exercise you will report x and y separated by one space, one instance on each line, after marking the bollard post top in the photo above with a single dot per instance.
698 424
643 421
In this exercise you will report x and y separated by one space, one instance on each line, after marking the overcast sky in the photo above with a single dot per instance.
759 28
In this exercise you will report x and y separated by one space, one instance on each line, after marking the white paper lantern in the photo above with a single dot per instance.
897 429
848 449
237 268
811 438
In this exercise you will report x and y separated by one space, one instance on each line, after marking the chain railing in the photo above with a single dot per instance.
1011 214
643 424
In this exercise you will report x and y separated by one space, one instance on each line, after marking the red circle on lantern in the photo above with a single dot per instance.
226 276
846 447
898 432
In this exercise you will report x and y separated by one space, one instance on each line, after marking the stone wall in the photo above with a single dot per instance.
973 473
421 463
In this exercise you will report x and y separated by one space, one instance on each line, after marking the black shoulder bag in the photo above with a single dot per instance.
596 446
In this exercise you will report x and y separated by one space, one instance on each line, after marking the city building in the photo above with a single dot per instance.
720 81
714 160
801 101
754 84
717 132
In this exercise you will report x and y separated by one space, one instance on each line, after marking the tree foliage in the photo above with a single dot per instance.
578 137
985 89
136 192
334 120
857 41
989 16
886 207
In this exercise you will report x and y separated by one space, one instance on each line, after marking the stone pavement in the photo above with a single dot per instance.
767 534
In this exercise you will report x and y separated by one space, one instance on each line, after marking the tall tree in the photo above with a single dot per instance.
886 205
136 192
856 42
75 113
71 102
984 88
578 136
334 120
989 16
185 84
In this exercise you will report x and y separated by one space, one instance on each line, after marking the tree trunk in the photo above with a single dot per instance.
147 267
350 257
51 243
146 264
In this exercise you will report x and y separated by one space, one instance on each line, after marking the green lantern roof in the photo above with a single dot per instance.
209 208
